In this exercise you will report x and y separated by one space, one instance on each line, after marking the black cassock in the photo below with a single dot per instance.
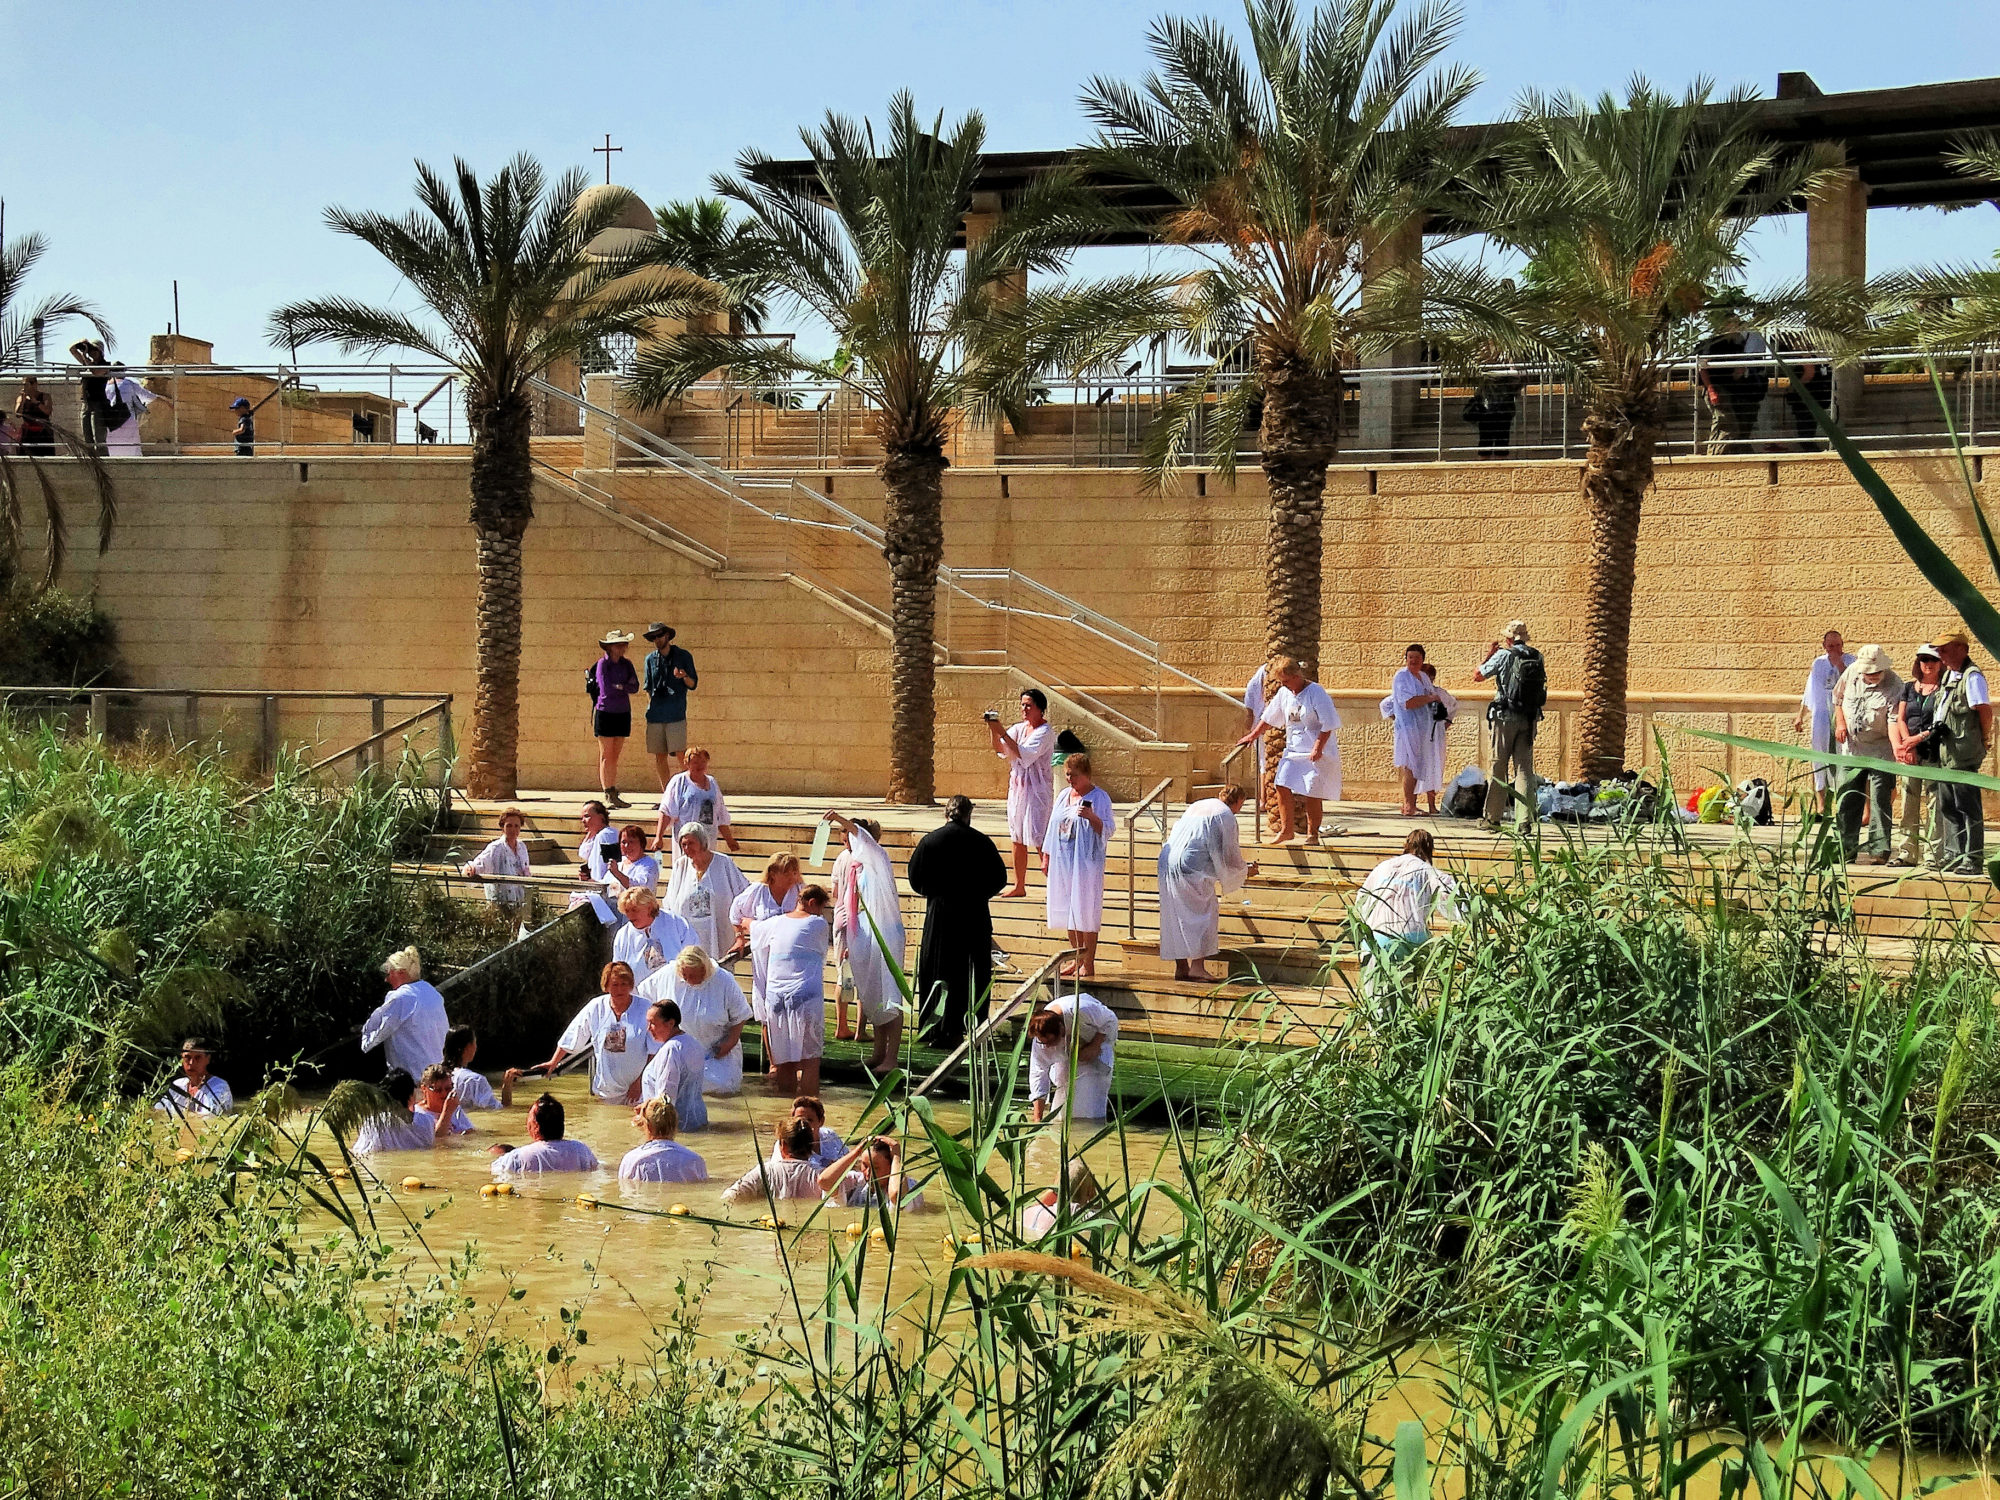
957 870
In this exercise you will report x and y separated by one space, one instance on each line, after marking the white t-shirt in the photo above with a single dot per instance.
623 1044
385 1132
1305 715
547 1156
596 850
858 1190
498 859
829 1150
662 1161
458 1124
653 946
684 802
409 1027
676 1073
474 1092
212 1098
788 1179
643 872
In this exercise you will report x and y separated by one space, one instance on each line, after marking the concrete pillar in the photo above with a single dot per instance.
1389 407
1837 250
977 444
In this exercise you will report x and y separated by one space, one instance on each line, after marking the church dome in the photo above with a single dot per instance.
631 222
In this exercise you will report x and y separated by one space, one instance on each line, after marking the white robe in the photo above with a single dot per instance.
1031 784
647 948
1087 1095
1305 715
703 901
622 1045
708 1011
1076 854
409 1027
865 879
1253 704
500 858
1420 735
1398 896
1818 698
1203 851
746 911
123 441
794 985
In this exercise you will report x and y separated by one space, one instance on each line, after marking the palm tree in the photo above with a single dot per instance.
1632 215
23 327
702 236
1947 306
509 278
1281 180
866 242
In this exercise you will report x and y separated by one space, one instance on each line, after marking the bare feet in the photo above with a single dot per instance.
843 1036
1194 971
1019 890
1067 969
1409 812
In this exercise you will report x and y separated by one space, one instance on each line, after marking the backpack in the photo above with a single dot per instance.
1964 741
1466 799
1753 801
590 681
1522 687
117 414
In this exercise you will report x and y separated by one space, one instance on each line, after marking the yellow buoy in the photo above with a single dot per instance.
949 1242
1077 1252
584 1200
854 1231
504 1189
413 1184
490 1190
341 1172
678 1210
878 1238
972 1242
184 1155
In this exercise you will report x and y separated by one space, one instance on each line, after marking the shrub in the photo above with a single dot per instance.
49 638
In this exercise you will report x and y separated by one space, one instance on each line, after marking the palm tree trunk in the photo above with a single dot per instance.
502 506
914 546
1299 435
1623 431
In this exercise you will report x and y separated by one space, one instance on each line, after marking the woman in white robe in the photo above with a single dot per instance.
865 902
613 1026
1203 852
1414 697
1073 853
713 1012
123 440
1309 770
1029 749
778 893
795 947
704 889
650 936
1069 1063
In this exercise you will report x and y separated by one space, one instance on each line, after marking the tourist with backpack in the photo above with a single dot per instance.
1520 692
1867 700
126 402
1967 721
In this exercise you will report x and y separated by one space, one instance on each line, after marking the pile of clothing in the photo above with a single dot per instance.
1620 799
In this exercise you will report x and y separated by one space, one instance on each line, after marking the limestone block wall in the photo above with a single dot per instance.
358 574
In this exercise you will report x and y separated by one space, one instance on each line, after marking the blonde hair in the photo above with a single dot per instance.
781 864
636 897
692 751
1283 666
404 961
660 1118
696 955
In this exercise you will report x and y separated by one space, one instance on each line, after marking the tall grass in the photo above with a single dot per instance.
142 897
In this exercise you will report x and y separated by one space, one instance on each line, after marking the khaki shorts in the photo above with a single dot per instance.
666 739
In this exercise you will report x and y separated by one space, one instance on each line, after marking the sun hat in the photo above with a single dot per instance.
655 630
615 638
1955 636
1871 659
1517 630
239 401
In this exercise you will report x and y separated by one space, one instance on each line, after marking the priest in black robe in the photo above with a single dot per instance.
957 870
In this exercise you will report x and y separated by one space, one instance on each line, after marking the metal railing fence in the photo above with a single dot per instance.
773 523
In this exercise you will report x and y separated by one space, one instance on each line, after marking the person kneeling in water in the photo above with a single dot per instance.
546 1150
661 1158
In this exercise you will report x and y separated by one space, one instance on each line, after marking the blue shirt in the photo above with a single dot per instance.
666 693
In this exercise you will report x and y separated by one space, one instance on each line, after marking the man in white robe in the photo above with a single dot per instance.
1411 706
1201 860
1817 700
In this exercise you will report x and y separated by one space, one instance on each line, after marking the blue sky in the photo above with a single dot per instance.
202 142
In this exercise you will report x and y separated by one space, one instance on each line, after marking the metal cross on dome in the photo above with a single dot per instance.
606 151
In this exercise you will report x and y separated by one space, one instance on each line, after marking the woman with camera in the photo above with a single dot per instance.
1029 749
1422 712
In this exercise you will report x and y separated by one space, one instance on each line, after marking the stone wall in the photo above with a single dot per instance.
357 573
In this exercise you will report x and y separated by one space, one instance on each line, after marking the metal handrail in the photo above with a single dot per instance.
1132 852
986 1028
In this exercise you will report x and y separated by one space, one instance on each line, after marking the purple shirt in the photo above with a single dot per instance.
617 681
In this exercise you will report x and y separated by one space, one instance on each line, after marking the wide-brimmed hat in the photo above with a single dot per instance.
1517 630
655 630
615 638
1955 636
1872 659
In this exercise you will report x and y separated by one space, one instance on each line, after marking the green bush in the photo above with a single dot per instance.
171 1330
49 638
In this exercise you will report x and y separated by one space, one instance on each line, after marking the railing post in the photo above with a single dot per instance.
267 737
1729 751
100 715
194 718
375 723
1131 881
449 750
